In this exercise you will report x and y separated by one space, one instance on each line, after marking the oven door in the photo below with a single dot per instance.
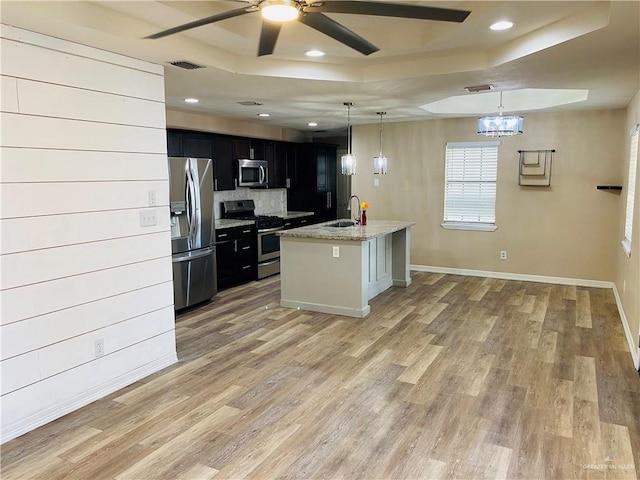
268 244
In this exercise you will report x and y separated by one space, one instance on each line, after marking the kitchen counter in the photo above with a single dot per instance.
289 215
337 270
373 228
222 223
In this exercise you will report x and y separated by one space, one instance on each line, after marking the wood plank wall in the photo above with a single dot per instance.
82 145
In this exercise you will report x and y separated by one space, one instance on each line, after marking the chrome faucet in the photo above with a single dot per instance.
357 219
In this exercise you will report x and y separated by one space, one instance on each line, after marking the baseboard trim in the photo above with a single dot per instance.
48 415
333 310
578 282
544 279
627 330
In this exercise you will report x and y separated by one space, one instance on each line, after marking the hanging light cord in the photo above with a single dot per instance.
381 114
500 107
348 104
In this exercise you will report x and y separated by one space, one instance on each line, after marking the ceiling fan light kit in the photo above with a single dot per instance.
500 125
312 14
279 10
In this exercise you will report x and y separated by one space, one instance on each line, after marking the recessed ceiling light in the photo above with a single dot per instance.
191 100
502 25
264 114
315 53
313 124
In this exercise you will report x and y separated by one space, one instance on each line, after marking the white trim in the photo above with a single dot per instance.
635 354
494 143
48 415
479 227
331 309
578 282
626 247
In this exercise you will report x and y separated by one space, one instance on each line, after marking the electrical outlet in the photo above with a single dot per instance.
148 217
152 198
503 254
376 182
259 203
336 252
99 347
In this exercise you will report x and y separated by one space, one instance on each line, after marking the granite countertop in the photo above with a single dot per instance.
288 215
222 223
373 228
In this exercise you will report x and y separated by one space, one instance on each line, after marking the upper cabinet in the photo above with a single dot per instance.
307 170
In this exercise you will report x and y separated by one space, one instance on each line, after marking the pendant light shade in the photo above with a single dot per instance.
380 162
348 161
500 125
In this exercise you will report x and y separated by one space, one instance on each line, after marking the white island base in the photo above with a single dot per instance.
369 260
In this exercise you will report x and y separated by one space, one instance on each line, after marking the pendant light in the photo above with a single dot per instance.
348 161
380 162
500 125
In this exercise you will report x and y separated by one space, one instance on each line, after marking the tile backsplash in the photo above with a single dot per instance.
268 201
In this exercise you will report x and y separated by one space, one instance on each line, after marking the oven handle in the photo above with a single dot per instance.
271 262
267 230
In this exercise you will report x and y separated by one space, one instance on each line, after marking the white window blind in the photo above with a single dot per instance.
631 190
470 183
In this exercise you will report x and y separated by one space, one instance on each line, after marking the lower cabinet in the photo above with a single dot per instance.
236 255
298 222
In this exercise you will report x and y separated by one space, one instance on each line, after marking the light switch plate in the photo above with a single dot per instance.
148 217
336 252
376 182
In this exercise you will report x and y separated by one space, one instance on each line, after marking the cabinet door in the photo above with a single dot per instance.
257 149
277 159
241 147
174 144
197 145
224 164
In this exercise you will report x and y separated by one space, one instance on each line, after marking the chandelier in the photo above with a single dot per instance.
348 161
500 125
380 162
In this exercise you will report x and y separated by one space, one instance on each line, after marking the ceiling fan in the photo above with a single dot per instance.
311 13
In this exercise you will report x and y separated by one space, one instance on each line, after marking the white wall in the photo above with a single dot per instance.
83 143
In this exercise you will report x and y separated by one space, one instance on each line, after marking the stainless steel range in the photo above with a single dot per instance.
267 226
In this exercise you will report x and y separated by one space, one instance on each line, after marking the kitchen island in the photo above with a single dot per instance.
334 269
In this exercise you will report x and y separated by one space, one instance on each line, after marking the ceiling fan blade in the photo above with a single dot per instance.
333 29
203 21
268 37
389 10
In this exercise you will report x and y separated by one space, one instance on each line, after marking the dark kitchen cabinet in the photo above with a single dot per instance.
249 148
174 144
290 223
224 162
275 153
236 255
313 183
197 145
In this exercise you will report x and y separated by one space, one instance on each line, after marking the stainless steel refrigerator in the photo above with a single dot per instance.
192 230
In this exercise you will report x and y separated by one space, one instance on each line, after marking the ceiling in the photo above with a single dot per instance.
584 45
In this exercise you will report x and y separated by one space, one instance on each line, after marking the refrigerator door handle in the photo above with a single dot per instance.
183 257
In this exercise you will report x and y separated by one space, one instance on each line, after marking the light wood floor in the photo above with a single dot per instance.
454 377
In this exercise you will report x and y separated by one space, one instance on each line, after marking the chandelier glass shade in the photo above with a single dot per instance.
500 125
348 161
278 10
380 162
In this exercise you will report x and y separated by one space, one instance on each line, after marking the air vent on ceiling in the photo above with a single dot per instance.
479 88
250 103
186 65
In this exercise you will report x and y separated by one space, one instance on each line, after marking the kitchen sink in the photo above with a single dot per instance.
341 224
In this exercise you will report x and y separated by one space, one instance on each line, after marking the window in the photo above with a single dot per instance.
631 190
470 185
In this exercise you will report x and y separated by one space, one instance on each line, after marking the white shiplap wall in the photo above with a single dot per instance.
83 143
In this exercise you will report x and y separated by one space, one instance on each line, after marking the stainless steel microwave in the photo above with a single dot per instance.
253 173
